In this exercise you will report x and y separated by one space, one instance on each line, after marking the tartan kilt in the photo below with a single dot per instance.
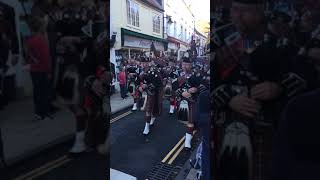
154 104
262 142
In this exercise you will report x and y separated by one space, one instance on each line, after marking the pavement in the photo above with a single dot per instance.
24 137
118 104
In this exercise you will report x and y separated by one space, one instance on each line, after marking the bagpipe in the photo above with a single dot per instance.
171 84
132 80
235 148
152 80
184 103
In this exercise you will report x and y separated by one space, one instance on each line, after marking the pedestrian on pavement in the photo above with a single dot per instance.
39 66
122 82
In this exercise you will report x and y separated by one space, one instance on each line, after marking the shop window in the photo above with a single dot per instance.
156 24
133 13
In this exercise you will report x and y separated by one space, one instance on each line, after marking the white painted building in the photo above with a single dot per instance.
135 24
179 26
201 41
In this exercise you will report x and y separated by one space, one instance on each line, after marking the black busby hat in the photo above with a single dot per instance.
249 1
144 59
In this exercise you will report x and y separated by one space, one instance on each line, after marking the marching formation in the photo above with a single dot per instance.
154 79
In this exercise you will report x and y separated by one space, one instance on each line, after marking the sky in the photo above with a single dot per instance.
201 9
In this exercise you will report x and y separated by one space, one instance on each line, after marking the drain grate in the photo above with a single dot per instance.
163 171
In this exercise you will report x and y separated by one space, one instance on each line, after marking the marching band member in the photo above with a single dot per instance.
171 84
133 81
186 96
152 84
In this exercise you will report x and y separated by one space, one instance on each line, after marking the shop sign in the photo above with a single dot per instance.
130 41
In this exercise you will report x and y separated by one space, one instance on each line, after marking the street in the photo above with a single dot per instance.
145 157
161 154
56 163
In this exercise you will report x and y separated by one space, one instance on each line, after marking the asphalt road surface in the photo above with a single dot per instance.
57 164
137 155
131 152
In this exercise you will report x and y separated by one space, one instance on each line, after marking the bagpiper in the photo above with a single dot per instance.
133 72
151 83
171 83
189 82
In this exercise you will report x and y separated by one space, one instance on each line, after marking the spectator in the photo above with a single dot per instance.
122 82
39 67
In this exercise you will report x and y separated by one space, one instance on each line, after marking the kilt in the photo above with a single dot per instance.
154 104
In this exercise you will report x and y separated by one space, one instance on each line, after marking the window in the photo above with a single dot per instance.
132 13
185 34
181 32
156 23
175 29
160 2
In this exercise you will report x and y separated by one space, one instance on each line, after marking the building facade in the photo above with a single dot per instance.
179 23
201 41
135 25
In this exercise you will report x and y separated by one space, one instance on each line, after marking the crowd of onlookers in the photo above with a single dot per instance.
65 54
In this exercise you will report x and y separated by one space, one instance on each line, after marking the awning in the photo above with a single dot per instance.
138 40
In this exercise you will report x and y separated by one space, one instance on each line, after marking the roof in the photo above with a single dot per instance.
154 3
199 33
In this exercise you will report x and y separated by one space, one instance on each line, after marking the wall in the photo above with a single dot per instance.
182 15
119 19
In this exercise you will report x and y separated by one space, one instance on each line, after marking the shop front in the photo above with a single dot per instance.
177 47
133 43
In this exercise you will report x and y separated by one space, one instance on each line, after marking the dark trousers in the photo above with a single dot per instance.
41 93
123 90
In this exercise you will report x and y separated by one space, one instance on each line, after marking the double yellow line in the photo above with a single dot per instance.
58 162
120 117
174 152
44 169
